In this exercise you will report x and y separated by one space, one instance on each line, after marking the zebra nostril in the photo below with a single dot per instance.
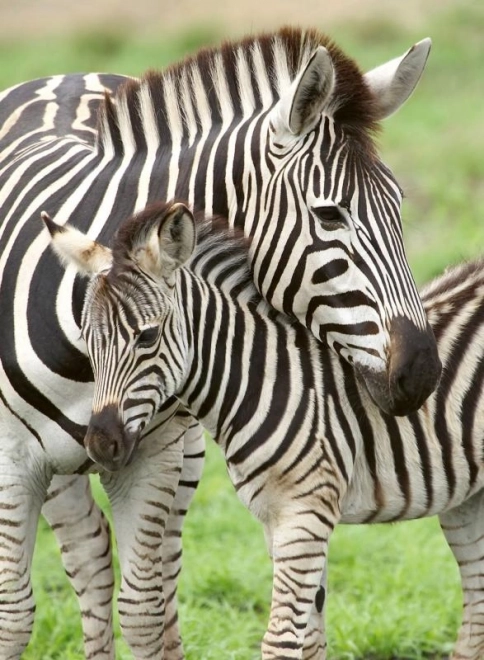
113 449
401 383
106 440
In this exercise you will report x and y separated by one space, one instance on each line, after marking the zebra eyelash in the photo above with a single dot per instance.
330 217
147 337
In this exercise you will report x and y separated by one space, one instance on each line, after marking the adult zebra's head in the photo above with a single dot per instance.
128 305
327 237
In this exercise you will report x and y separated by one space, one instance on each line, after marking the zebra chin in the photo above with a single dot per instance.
108 443
413 373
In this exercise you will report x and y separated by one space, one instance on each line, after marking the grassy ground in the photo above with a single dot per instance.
394 589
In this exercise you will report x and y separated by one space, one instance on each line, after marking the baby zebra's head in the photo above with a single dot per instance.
130 322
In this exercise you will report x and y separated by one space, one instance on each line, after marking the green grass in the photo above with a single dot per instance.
394 590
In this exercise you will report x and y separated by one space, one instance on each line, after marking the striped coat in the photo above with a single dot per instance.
276 132
305 445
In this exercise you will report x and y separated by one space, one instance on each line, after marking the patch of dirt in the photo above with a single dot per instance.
40 18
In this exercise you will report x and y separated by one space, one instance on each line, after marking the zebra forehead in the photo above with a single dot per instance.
272 61
113 298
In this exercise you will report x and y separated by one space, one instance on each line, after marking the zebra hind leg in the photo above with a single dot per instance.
463 528
83 534
193 461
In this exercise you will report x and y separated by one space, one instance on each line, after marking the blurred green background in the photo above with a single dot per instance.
394 590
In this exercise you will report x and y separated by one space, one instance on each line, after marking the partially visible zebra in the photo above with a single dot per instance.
273 131
305 445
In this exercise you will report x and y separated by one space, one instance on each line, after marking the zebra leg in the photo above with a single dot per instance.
21 498
193 461
315 638
83 535
141 496
464 530
315 646
299 548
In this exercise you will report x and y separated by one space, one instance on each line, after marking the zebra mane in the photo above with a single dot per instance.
458 282
237 79
221 258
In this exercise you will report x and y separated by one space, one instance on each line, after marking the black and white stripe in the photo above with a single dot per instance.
276 133
305 445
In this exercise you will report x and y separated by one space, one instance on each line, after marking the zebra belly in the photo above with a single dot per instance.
394 493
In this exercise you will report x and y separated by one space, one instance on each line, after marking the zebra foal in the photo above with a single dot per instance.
305 445
275 132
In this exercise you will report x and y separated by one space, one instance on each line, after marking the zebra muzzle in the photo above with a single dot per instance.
107 441
413 373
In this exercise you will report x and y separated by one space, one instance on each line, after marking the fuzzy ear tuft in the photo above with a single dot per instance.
73 247
393 82
178 234
169 243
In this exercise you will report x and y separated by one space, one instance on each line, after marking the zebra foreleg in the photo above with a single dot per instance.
141 496
299 548
22 492
464 530
315 646
193 460
315 639
83 535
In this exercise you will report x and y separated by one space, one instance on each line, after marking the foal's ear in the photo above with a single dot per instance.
169 243
74 247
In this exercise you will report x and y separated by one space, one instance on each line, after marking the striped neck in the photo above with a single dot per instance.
239 352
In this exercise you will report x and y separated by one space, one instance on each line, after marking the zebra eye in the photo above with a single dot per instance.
330 217
148 337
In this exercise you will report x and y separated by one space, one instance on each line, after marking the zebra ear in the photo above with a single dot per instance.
302 105
393 82
74 247
169 244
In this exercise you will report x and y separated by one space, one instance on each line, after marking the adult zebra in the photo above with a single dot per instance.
304 443
274 131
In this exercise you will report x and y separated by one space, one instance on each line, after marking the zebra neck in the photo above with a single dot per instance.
239 356
214 327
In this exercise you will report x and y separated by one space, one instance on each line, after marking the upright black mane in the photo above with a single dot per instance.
268 61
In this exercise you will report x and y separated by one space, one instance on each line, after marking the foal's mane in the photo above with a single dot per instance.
238 78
